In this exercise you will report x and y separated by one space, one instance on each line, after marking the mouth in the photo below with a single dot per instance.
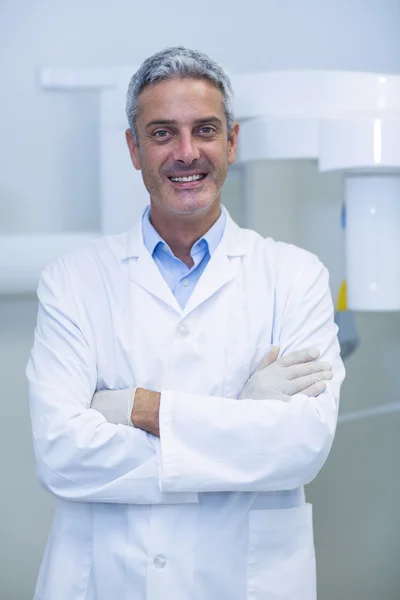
188 181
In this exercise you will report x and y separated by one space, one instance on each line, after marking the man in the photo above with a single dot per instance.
185 478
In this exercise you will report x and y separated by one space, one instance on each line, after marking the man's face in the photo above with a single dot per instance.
182 133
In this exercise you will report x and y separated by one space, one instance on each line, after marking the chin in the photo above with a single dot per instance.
191 205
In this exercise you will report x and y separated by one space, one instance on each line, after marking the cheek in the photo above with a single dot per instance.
219 160
219 155
152 160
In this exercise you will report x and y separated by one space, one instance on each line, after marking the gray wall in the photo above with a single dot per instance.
25 510
49 182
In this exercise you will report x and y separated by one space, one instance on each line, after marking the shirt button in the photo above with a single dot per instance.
160 561
185 282
183 331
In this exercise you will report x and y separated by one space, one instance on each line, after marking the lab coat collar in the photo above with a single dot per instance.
221 268
231 239
211 238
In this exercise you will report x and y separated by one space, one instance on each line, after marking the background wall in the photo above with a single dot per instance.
49 182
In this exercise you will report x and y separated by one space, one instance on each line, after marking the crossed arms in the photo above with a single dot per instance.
207 443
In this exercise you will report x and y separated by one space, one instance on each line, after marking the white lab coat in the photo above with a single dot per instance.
215 509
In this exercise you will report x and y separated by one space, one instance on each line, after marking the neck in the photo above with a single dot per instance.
182 231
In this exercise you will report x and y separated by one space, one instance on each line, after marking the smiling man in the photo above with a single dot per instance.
175 440
184 153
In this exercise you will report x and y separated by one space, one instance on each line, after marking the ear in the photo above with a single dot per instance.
133 149
233 142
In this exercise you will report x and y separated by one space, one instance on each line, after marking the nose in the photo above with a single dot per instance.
186 149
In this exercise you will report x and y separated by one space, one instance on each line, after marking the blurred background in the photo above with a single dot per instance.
50 183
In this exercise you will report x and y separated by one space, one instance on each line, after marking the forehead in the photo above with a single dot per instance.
181 100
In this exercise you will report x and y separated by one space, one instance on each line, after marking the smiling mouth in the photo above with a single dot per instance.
188 178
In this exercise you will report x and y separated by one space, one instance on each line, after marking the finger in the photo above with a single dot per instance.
269 359
300 384
306 369
300 356
315 390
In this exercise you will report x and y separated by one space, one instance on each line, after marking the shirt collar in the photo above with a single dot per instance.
151 237
212 238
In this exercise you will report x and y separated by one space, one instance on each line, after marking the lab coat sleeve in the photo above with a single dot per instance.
79 455
219 444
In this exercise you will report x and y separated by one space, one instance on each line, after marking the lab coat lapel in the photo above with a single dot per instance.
144 272
223 266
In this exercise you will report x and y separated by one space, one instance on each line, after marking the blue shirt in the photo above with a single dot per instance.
180 278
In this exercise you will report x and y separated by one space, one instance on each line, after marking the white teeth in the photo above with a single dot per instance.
185 179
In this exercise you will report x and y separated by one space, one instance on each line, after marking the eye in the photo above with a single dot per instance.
207 130
160 134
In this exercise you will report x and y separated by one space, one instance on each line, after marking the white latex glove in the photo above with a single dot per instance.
294 373
115 405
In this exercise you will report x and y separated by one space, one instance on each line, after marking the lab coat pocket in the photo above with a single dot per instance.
281 558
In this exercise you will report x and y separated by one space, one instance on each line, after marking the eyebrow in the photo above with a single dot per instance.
211 119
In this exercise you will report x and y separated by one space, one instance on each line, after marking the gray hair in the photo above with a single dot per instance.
177 63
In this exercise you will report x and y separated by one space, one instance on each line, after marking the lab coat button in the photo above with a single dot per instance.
160 561
183 331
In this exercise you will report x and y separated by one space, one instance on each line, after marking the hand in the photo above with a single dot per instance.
294 373
116 407
145 412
